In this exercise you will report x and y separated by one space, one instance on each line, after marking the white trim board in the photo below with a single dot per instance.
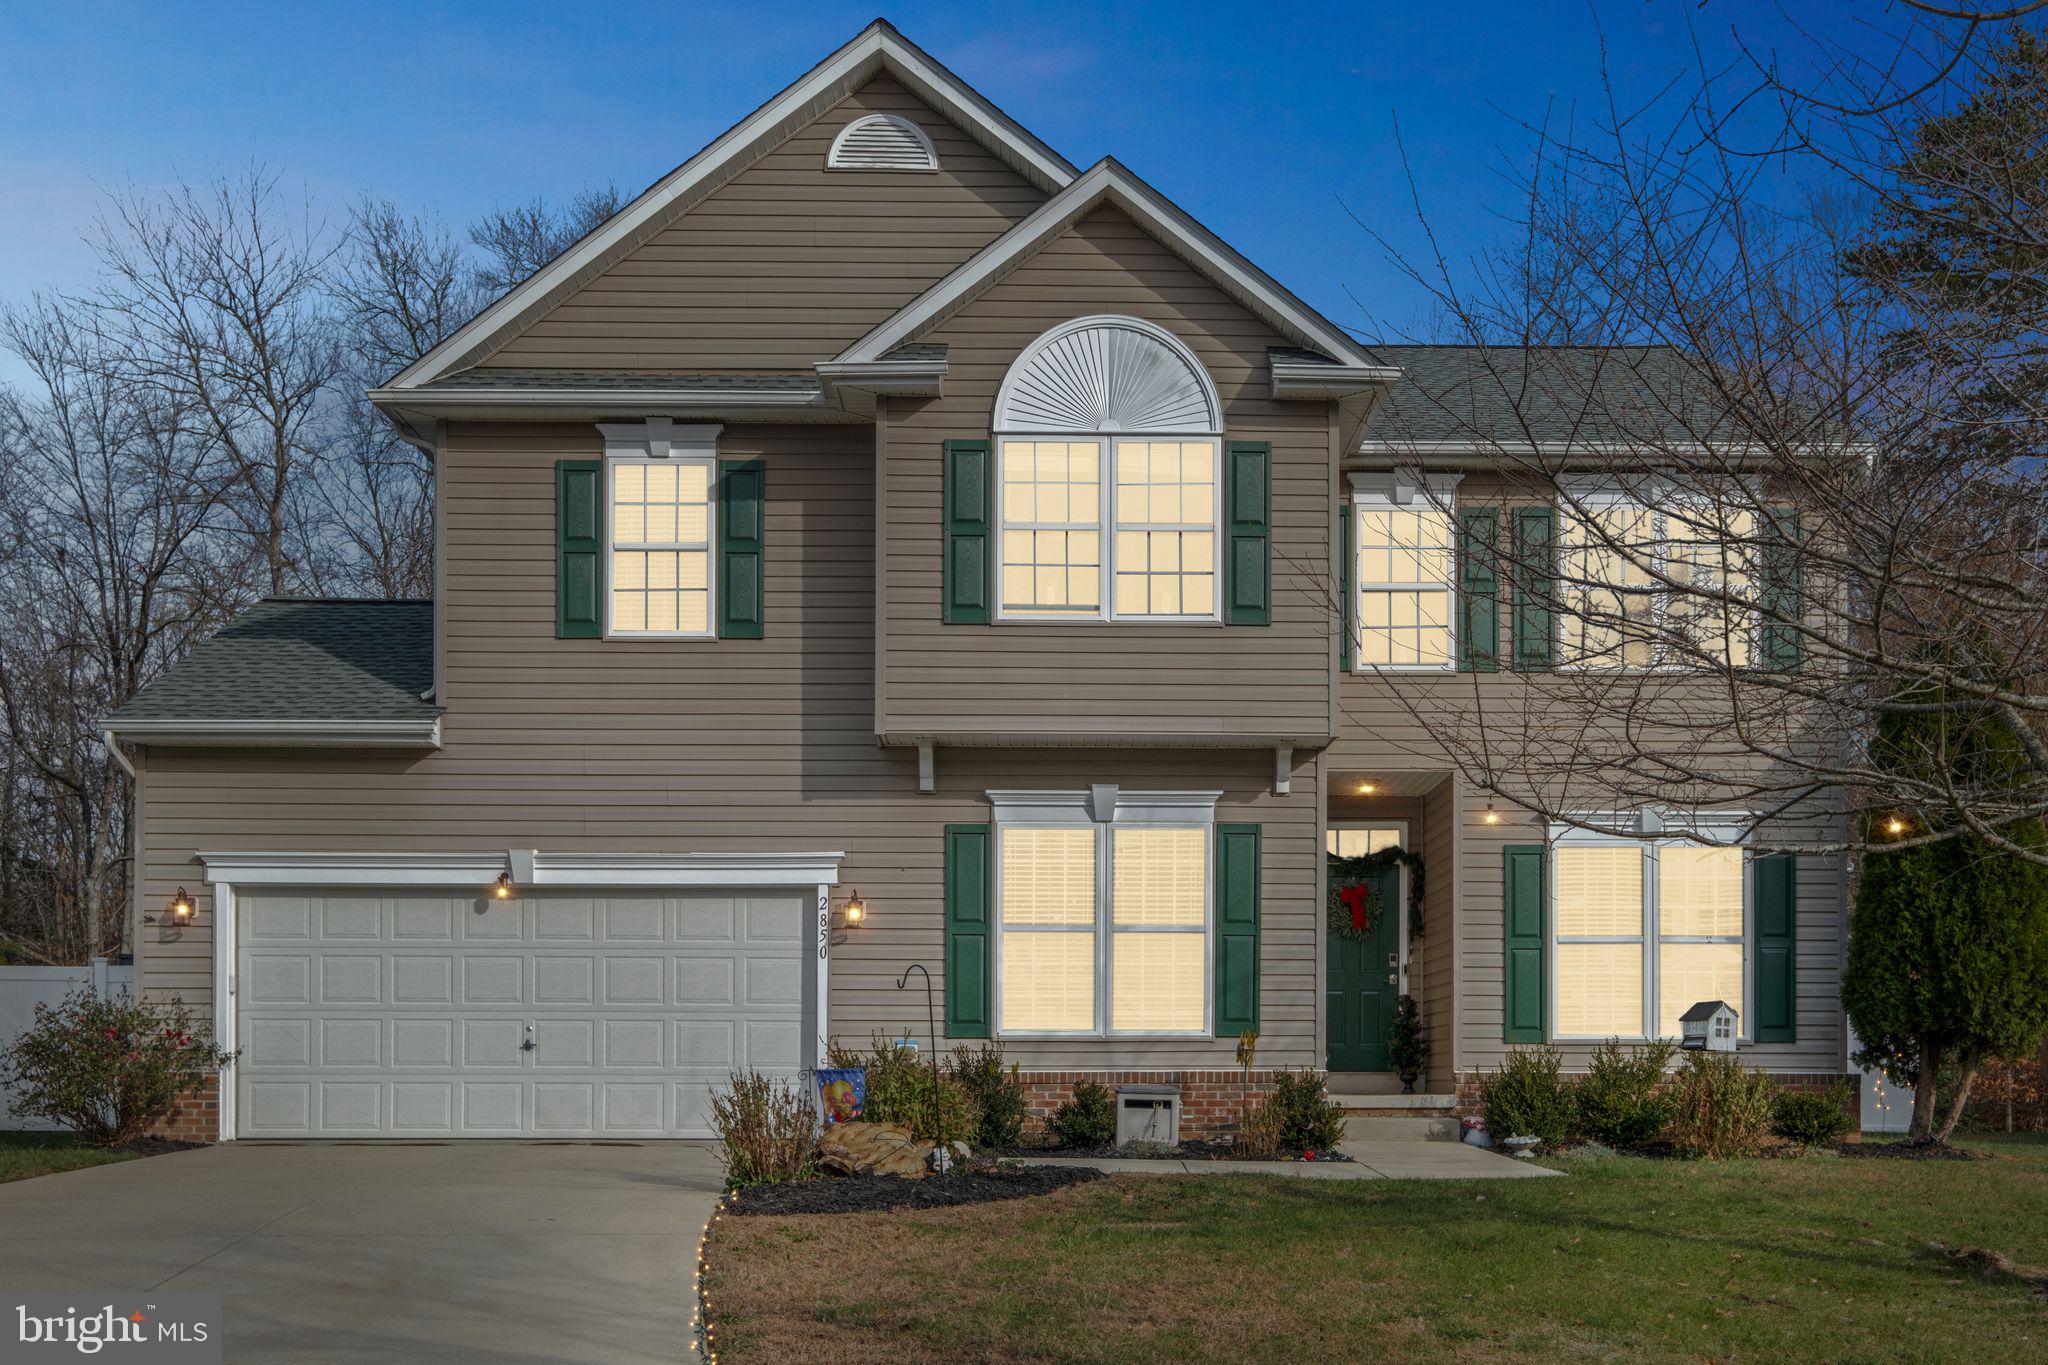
877 48
270 867
408 734
1108 182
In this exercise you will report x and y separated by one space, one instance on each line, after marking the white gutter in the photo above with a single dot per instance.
114 751
411 734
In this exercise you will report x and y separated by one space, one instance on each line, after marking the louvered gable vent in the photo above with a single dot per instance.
882 142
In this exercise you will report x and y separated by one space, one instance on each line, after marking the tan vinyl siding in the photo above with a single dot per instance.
787 263
660 746
1129 677
1436 983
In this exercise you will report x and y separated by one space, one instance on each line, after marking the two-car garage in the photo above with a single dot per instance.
418 1012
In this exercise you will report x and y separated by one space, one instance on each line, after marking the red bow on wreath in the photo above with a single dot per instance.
1356 901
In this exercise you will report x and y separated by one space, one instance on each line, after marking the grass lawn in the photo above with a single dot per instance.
26 1154
1820 1258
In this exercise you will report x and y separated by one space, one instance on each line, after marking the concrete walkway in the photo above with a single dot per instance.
1369 1161
452 1252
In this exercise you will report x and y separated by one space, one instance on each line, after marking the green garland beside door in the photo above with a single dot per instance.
1347 872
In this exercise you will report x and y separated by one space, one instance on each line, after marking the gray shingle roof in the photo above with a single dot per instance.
602 381
1513 394
292 658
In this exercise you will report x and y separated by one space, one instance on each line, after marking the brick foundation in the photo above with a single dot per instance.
1211 1102
196 1117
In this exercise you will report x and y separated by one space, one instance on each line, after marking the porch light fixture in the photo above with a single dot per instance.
1367 788
1895 826
1492 816
182 909
856 909
502 888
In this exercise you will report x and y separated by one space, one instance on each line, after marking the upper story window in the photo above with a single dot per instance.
1102 912
1403 571
1622 552
661 513
1109 461
882 142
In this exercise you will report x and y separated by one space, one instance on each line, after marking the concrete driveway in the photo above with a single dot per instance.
420 1253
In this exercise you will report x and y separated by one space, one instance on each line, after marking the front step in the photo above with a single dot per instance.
1353 1102
1385 1128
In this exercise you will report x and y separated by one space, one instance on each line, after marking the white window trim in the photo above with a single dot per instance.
1103 809
1106 527
1713 830
1402 490
660 440
1401 886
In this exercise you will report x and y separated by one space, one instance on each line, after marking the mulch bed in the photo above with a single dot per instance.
156 1146
1912 1151
1200 1149
868 1194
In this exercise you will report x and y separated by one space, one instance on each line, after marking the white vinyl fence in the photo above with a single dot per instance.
23 988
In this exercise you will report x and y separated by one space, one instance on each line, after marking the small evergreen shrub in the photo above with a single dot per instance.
1526 1096
108 1067
1813 1120
767 1130
1622 1100
1310 1121
997 1094
1088 1119
1407 1044
1720 1108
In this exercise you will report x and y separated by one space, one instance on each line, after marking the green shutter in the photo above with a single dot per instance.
969 944
1535 620
1248 518
1777 917
579 549
1479 590
966 571
1523 970
1781 645
1347 587
1237 929
742 506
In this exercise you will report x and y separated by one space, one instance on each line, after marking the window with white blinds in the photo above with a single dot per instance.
660 581
1103 929
1402 564
1642 931
1618 561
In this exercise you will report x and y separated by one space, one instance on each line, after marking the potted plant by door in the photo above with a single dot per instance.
1407 1048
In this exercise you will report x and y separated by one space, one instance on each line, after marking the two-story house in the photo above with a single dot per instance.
881 545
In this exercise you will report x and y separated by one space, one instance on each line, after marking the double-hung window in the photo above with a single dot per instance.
1653 581
1109 468
1643 930
661 509
1403 567
1103 923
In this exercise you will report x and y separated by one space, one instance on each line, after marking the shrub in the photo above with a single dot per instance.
1407 1044
1720 1108
997 1094
899 1082
1088 1119
767 1129
107 1067
1309 1119
1526 1096
1813 1119
1260 1133
1621 1100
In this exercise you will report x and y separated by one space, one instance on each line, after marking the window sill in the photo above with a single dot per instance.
1078 620
1107 1037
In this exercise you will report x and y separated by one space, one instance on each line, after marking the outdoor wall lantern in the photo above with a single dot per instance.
1895 826
181 909
1492 816
856 910
501 889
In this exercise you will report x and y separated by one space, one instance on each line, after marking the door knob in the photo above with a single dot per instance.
1393 978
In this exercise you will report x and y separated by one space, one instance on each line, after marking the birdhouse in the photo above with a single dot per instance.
1708 1026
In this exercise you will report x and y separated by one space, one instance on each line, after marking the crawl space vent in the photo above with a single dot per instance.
1148 1113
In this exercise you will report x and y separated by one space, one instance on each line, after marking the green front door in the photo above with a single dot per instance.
1364 979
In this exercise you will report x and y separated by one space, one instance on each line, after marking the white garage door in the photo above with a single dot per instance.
410 1015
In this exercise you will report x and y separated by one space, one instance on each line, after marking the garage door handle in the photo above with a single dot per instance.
529 1044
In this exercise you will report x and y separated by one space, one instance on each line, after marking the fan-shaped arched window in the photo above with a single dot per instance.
882 142
1109 454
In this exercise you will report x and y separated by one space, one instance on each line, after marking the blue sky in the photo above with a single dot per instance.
1261 126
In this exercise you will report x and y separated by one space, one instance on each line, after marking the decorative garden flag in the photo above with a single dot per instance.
842 1092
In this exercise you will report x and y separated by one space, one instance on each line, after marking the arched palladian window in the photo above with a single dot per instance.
1109 448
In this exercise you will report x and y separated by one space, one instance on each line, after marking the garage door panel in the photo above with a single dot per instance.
406 1014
